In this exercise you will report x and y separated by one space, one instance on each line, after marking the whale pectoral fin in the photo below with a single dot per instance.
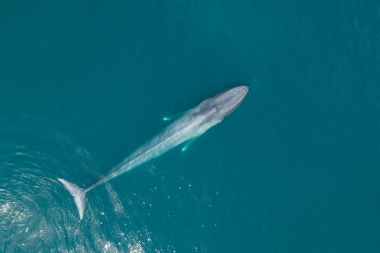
188 143
174 117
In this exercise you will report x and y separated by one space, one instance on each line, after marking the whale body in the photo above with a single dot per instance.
191 125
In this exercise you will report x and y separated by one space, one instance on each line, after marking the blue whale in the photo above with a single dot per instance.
191 125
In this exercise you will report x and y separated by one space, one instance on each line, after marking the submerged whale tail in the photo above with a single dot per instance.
78 193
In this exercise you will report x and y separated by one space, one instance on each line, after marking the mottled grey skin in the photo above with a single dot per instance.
194 123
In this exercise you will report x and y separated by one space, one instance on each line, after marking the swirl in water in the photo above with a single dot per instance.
36 213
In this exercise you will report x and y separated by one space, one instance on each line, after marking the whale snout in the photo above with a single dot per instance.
229 100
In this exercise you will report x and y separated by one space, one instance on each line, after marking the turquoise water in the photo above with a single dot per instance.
294 169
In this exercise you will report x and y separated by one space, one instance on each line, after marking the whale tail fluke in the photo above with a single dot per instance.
78 193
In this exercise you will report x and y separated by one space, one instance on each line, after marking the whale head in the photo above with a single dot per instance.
227 101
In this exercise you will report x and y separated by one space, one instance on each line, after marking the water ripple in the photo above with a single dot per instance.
38 215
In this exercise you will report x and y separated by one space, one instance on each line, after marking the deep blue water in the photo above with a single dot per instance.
295 169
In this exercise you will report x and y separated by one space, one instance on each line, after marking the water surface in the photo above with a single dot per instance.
294 169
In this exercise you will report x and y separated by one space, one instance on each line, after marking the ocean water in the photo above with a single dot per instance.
296 168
